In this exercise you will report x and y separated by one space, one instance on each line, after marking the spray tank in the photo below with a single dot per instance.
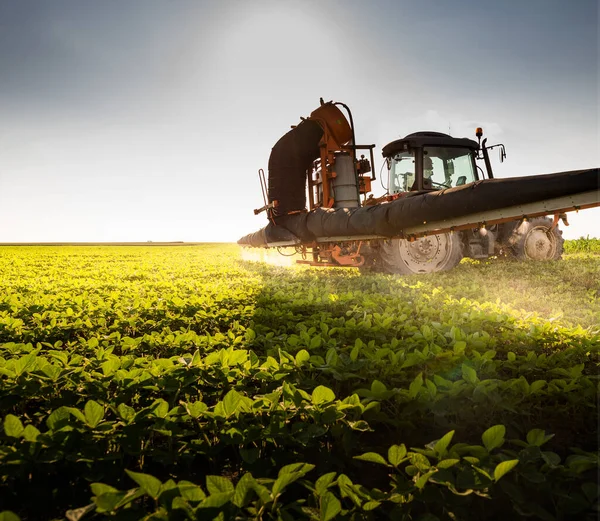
319 152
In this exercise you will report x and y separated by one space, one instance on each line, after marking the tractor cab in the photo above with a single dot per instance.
430 161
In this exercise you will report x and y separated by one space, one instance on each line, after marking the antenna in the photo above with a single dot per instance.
449 133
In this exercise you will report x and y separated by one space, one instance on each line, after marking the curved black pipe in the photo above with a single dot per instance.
289 161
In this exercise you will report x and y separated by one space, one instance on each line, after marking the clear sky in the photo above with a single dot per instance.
148 120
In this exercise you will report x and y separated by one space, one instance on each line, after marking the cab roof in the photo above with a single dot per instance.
428 138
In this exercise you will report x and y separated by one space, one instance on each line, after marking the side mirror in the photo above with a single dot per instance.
502 154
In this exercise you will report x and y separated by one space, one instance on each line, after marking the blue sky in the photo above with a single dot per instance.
148 120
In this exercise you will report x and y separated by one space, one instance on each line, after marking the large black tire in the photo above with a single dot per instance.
425 255
536 240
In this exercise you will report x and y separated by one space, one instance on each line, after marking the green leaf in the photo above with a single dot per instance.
330 507
494 437
315 342
101 488
447 463
231 402
149 484
13 426
504 467
8 515
243 488
469 374
322 394
283 481
108 501
420 483
459 347
190 491
323 482
415 386
301 468
302 357
94 413
396 453
218 485
538 437
536 386
125 412
373 457
216 501
441 445
378 388
31 433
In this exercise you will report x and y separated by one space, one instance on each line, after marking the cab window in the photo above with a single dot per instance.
447 167
402 172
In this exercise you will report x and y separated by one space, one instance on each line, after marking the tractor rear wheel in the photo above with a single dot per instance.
536 240
425 255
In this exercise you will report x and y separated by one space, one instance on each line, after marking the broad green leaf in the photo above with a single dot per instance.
57 419
283 481
302 468
13 426
373 457
551 458
94 413
330 507
422 480
108 501
504 467
218 485
125 412
447 463
441 445
459 347
538 437
243 488
396 454
216 500
323 482
469 374
101 488
30 433
190 491
231 402
537 386
415 386
76 413
494 437
149 484
315 342
302 357
322 394
420 461
371 505
160 408
8 515
378 387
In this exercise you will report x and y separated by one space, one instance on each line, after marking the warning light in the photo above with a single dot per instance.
479 132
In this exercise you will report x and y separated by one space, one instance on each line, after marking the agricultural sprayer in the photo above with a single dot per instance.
443 202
